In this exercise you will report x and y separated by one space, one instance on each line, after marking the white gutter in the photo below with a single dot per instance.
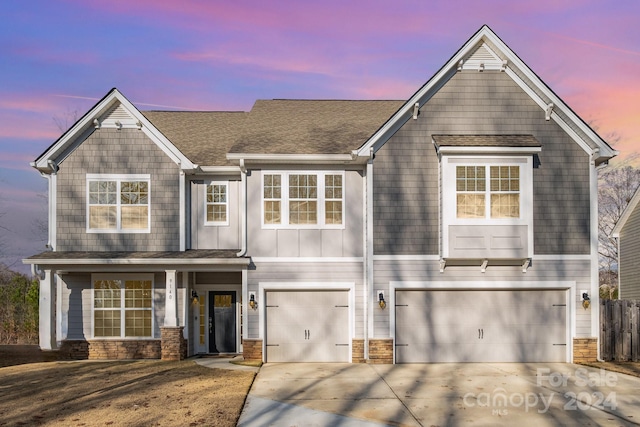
243 210
136 261
595 279
292 158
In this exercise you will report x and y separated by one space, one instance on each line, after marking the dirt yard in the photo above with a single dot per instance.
36 390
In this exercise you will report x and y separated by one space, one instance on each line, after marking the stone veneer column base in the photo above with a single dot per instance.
585 350
252 349
381 351
174 346
357 351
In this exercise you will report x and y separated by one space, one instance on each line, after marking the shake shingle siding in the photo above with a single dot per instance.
110 151
406 169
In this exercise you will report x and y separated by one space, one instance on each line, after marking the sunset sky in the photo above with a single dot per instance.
57 58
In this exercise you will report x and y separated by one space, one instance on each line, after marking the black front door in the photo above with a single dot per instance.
222 322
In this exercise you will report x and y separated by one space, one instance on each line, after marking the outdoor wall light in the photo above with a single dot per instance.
586 301
381 302
252 301
194 296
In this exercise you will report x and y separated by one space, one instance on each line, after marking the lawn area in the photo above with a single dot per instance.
109 393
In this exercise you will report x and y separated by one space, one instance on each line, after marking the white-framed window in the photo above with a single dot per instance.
303 199
487 191
216 203
118 203
122 306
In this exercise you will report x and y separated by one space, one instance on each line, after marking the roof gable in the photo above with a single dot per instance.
112 111
486 51
626 214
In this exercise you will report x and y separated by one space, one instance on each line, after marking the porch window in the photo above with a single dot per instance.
122 308
118 203
303 200
217 204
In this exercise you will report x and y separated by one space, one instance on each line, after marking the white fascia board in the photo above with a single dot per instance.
514 60
626 214
85 124
484 34
219 170
292 158
140 261
489 150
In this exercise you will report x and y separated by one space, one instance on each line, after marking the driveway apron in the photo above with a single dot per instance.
469 394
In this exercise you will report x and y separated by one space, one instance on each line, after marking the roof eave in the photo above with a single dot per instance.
309 159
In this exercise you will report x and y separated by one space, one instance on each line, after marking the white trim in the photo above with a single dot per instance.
567 285
84 127
406 257
140 261
320 200
300 260
225 184
264 287
123 277
292 158
182 214
561 258
626 213
119 179
46 309
61 324
484 35
594 293
444 150
369 256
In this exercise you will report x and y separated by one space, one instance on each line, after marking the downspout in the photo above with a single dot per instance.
595 281
52 179
243 210
368 254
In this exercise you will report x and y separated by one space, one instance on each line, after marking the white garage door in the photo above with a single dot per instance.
307 326
480 326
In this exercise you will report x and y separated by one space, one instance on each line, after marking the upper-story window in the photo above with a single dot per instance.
118 203
303 199
488 192
217 203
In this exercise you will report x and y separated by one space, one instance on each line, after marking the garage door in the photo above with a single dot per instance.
480 326
307 326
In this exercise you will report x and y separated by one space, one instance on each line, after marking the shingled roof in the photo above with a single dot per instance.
283 126
278 126
204 137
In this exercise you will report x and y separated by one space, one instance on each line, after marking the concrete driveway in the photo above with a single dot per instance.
471 394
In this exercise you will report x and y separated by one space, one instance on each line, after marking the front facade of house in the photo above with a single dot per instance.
458 225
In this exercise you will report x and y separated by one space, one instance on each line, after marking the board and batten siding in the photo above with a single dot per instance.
215 236
629 247
111 151
292 274
307 242
406 193
429 271
77 300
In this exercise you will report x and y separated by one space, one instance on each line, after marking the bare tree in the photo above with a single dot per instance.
65 120
616 187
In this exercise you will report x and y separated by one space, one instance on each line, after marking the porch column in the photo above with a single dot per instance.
47 310
171 300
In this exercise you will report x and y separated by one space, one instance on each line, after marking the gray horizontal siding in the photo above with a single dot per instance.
215 236
629 268
429 271
306 273
110 151
406 196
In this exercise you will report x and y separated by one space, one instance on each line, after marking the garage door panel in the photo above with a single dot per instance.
307 326
480 326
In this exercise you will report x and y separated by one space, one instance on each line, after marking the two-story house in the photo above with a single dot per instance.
457 225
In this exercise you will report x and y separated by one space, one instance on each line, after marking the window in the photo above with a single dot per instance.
122 307
217 204
118 203
501 186
303 200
